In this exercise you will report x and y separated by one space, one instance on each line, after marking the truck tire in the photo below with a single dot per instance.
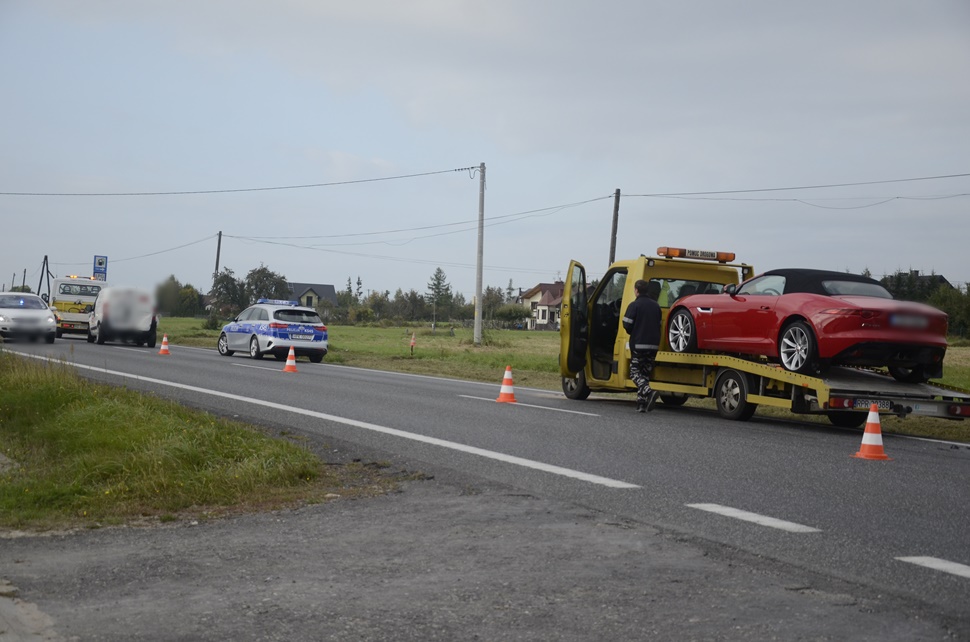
731 396
682 331
575 387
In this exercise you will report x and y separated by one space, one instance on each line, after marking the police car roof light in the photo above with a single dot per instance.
278 302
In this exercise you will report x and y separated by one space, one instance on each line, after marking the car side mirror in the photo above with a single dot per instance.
731 289
45 297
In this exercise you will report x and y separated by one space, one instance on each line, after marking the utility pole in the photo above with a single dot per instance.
616 218
481 246
218 251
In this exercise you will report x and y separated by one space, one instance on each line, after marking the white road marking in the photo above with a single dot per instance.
529 405
472 450
246 365
938 564
763 520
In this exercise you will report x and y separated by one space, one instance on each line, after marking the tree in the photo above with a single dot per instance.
439 294
510 293
190 301
262 282
360 289
167 296
20 288
492 300
228 293
511 314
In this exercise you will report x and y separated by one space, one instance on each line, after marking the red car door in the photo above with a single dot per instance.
746 321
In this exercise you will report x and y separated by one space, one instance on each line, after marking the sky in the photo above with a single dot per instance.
140 130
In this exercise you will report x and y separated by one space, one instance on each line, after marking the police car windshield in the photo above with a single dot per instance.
297 316
22 302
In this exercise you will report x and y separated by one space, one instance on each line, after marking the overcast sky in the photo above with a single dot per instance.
564 101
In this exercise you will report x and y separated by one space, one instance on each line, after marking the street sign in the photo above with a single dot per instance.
100 268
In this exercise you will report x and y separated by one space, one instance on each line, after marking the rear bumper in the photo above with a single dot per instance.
892 354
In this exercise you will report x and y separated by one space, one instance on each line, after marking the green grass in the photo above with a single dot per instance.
534 360
88 454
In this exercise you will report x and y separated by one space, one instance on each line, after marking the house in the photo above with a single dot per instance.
311 294
544 300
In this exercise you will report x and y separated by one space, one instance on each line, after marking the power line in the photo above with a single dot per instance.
242 189
880 200
783 189
142 256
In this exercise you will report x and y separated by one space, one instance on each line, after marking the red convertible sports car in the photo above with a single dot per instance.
810 319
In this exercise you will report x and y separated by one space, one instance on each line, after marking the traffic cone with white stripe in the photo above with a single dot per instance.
164 348
507 393
872 438
290 361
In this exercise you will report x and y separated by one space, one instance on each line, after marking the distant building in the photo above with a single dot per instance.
311 294
544 302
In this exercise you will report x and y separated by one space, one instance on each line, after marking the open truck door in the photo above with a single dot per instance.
574 333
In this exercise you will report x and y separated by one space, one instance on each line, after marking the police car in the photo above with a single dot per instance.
274 326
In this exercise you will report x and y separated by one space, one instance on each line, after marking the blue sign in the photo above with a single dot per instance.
100 268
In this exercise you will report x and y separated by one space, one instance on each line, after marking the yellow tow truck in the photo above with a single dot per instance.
595 354
72 299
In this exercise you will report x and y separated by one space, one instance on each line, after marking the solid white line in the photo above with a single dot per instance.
246 365
529 405
937 564
763 520
472 450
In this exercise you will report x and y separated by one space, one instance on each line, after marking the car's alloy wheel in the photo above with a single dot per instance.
681 332
224 345
254 351
797 348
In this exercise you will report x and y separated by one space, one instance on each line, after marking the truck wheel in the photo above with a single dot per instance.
848 419
224 345
731 396
797 350
575 387
90 336
673 399
908 375
58 333
682 332
254 351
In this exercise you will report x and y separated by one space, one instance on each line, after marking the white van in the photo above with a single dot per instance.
124 313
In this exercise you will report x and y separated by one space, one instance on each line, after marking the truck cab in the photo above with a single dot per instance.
594 347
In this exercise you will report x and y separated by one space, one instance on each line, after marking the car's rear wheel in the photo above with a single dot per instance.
682 332
254 350
797 348
575 387
224 345
280 356
915 374
731 396
316 358
101 338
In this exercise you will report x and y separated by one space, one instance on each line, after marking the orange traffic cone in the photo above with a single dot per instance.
872 439
290 361
507 394
164 349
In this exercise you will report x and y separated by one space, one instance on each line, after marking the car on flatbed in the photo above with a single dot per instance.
274 326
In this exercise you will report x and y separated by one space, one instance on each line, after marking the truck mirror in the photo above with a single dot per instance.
88 308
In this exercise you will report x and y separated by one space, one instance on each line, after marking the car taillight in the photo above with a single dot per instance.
279 326
320 328
853 312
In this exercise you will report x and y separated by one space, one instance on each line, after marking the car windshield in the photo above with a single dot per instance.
855 288
297 316
21 302
673 289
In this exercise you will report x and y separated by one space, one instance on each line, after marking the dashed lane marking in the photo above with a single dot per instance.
763 520
937 564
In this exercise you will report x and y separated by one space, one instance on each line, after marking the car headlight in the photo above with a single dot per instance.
3 319
50 321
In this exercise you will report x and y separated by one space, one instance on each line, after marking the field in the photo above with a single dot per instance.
534 360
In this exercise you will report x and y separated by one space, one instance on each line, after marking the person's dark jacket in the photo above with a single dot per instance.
642 321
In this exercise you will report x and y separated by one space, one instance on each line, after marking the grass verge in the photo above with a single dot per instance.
83 454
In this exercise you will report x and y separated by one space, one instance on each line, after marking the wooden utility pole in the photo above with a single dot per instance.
616 218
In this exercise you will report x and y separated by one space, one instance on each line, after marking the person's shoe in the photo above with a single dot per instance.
652 400
641 406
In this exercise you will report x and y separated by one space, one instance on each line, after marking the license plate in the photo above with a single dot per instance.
867 403
302 337
913 321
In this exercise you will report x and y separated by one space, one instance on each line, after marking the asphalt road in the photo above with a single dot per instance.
896 528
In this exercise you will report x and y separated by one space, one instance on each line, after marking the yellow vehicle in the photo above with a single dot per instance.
72 299
595 353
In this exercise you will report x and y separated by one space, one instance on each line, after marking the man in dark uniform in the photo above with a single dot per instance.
642 322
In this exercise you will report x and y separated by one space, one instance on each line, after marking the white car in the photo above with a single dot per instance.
273 326
26 316
124 313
